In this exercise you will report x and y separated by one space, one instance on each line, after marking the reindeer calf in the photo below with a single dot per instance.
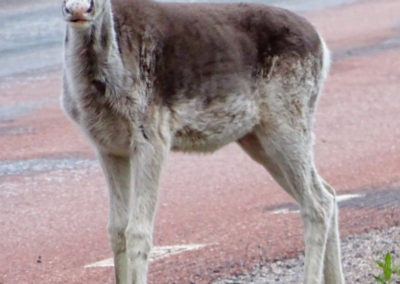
142 78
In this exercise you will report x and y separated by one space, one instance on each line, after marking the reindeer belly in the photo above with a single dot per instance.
224 120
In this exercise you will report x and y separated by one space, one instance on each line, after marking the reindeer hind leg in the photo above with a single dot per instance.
287 155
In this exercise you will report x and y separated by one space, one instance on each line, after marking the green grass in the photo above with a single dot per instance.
389 270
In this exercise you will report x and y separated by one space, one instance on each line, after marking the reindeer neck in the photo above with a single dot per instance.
90 51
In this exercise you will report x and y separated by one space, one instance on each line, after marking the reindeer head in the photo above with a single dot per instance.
81 12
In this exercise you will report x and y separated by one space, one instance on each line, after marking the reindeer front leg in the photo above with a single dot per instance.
146 161
117 170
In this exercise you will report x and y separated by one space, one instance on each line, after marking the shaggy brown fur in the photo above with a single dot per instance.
143 78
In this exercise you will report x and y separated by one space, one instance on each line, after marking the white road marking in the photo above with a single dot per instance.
345 197
156 253
284 211
109 262
339 198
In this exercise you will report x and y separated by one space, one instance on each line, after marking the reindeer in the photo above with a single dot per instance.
142 78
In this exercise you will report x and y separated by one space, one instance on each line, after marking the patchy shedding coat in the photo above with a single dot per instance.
142 78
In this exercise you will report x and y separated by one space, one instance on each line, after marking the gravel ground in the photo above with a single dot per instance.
358 253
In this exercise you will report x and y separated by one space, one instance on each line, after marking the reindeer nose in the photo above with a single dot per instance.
78 8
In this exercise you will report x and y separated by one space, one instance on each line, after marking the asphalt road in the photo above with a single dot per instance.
218 214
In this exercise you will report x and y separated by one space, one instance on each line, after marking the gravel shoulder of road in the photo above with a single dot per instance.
359 255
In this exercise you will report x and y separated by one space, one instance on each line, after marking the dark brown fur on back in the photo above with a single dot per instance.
191 44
